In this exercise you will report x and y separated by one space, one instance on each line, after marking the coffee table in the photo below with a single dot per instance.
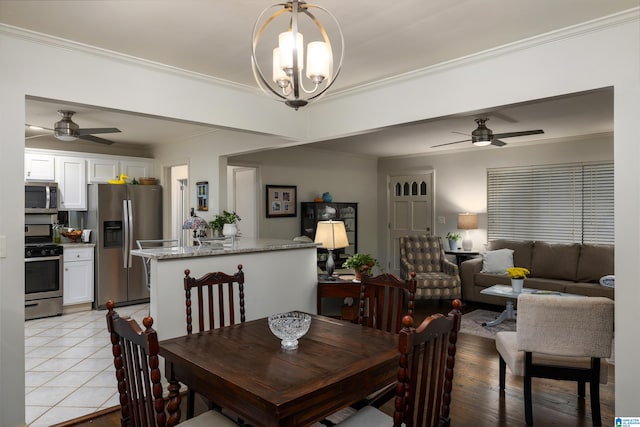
506 291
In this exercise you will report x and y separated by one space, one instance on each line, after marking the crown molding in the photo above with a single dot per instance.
595 25
60 43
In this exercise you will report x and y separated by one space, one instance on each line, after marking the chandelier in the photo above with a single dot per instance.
288 57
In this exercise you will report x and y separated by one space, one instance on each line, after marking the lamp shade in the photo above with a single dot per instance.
331 235
467 221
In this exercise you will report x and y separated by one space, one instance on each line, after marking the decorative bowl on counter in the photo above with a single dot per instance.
289 327
73 235
148 180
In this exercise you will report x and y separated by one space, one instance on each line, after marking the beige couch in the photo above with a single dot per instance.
572 268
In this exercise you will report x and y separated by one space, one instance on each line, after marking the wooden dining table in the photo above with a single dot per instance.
243 368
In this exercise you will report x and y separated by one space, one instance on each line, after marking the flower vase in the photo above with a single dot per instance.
517 285
229 230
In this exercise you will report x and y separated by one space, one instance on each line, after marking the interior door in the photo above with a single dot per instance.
410 212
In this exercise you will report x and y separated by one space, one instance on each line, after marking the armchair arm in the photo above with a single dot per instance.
449 268
405 268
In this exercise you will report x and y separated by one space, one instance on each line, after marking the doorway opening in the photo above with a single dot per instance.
179 201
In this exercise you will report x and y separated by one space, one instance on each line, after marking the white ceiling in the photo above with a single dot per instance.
383 39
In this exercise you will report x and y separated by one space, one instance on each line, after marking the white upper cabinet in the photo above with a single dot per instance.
39 167
71 177
102 170
136 169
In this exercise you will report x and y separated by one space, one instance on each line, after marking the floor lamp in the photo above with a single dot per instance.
331 235
467 221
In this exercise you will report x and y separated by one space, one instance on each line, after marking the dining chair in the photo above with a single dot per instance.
425 375
559 337
383 299
210 288
135 358
146 261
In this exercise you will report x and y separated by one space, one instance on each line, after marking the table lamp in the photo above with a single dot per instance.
467 221
331 235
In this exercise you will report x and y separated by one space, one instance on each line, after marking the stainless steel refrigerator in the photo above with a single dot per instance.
118 215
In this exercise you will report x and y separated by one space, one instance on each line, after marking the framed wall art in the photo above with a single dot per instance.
281 201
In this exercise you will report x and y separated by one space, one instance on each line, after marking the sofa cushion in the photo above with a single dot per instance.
522 250
590 290
555 260
497 261
595 261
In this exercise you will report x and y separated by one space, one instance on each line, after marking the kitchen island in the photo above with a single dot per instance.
280 275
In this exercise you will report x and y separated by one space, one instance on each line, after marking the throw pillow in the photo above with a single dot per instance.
497 261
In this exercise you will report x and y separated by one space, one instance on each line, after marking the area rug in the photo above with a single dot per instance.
472 324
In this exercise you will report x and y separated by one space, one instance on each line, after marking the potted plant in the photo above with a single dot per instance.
218 223
361 263
453 239
517 274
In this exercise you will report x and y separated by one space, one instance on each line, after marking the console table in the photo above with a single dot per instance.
339 288
462 256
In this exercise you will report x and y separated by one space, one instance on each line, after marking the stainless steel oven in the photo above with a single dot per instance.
43 273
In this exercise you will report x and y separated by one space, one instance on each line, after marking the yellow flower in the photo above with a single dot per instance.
517 272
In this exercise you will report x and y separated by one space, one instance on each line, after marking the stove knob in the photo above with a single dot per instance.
28 253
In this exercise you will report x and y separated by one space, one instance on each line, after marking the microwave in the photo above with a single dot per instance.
41 197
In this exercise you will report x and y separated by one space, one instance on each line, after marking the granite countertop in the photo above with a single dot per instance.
242 245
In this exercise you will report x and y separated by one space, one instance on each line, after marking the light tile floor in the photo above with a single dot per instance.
69 367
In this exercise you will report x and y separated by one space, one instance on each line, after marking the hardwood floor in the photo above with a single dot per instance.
476 399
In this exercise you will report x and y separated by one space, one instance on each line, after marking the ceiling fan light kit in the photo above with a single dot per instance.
66 129
288 57
482 135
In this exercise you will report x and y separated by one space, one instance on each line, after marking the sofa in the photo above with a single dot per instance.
572 268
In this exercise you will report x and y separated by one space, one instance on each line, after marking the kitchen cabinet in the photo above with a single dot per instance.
39 167
71 177
78 275
102 170
312 212
136 169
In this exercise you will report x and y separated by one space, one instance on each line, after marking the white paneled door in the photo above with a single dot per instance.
410 212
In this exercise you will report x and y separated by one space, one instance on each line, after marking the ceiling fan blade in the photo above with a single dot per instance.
498 143
513 134
460 133
37 128
503 116
36 136
449 143
89 131
95 139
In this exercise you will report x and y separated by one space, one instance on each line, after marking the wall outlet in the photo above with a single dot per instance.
441 220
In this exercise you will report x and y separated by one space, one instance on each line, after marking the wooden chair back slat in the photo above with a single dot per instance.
386 296
214 283
135 358
425 375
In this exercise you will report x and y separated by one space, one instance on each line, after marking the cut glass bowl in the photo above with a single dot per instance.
289 327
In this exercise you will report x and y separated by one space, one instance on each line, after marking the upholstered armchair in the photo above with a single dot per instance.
436 276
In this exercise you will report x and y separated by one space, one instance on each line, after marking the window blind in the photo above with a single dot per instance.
558 204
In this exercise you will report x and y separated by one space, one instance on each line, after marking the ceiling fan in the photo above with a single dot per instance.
67 130
482 135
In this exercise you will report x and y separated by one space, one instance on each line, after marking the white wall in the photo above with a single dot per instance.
348 179
604 54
